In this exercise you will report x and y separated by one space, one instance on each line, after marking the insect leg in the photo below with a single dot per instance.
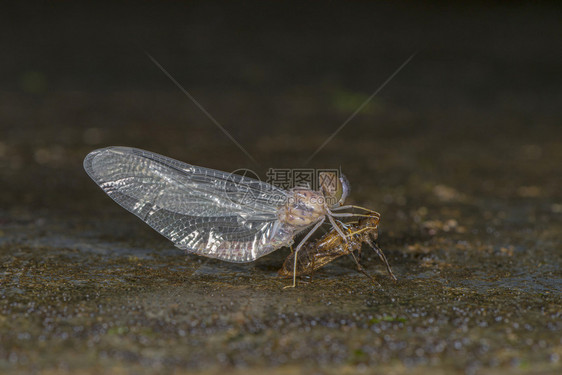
318 224
358 207
362 270
383 258
336 227
349 214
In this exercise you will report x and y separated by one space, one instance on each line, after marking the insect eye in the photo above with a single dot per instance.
343 189
334 187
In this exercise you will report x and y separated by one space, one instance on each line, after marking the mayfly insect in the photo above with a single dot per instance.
212 213
314 255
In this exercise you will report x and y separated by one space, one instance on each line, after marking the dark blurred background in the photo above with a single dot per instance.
461 152
280 77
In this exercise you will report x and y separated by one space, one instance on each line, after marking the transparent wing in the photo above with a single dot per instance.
209 212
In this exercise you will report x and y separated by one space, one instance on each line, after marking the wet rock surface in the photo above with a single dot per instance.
461 154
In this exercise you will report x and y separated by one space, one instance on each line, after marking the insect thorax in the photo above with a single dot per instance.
303 207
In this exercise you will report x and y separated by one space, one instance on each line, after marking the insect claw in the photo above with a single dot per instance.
289 286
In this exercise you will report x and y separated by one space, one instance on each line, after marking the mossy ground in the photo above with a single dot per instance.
461 154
